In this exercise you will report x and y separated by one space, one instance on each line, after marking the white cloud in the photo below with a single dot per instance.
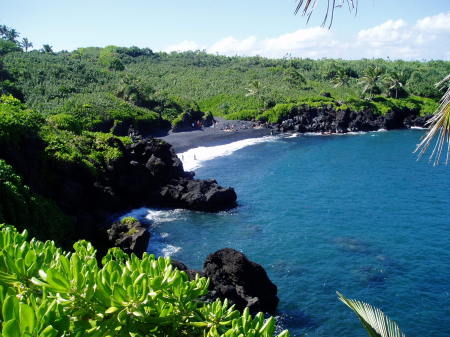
232 46
183 46
395 39
436 23
299 39
390 32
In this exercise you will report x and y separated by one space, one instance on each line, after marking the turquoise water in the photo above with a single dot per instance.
355 213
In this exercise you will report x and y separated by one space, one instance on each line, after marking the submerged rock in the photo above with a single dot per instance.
243 282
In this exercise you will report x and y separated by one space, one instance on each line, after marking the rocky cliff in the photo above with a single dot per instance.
330 120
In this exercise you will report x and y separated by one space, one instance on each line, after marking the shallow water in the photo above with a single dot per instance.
354 213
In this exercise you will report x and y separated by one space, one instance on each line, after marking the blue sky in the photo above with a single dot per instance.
405 29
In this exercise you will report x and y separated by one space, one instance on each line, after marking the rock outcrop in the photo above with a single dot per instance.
147 174
243 282
129 235
151 173
330 120
234 277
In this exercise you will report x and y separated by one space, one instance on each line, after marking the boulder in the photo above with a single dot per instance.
204 195
129 235
243 282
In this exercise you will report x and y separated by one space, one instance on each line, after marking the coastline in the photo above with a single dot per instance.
223 132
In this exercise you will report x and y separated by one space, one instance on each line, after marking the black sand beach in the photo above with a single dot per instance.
223 132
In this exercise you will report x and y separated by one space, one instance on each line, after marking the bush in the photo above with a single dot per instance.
16 121
101 111
65 121
8 47
95 150
45 291
109 58
24 209
277 113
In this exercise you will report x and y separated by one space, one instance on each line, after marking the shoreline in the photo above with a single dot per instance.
229 131
224 132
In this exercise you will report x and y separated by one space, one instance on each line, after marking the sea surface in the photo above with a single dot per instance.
356 214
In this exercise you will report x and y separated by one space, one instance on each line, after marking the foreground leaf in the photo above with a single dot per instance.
373 319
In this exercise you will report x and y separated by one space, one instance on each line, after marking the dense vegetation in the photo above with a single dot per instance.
79 109
160 86
47 292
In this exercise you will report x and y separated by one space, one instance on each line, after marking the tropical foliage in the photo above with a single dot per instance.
376 323
439 128
47 292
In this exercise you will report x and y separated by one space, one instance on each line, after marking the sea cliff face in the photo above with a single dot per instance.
147 173
329 120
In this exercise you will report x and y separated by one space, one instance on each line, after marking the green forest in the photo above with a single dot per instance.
78 107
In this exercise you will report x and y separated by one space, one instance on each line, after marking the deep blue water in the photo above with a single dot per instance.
355 213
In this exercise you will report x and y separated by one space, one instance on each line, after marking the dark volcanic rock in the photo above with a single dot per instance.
327 119
148 173
151 173
243 282
204 195
192 273
129 235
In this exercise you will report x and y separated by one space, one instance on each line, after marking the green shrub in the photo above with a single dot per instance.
95 150
16 121
99 111
247 114
47 292
8 47
109 58
65 121
129 220
24 209
277 113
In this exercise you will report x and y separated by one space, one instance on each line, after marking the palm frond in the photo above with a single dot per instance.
439 126
308 6
373 319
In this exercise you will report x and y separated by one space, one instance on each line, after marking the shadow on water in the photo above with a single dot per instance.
296 320
372 276
376 268
353 245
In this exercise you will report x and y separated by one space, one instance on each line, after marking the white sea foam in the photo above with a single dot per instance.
160 216
313 134
354 133
418 128
170 250
158 244
194 158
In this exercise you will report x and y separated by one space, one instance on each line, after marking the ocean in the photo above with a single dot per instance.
353 213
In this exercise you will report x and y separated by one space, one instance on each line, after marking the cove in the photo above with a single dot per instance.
353 213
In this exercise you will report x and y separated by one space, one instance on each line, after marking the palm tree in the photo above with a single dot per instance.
46 48
395 82
294 77
376 323
341 79
439 126
254 89
9 34
307 7
370 81
26 44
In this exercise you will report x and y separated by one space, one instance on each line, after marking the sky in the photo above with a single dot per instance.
395 29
